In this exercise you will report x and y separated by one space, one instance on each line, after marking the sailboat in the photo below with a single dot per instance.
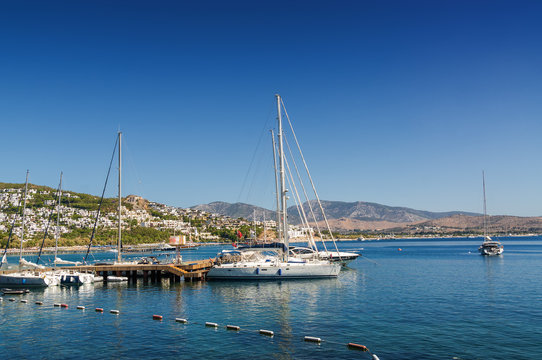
489 246
26 277
272 261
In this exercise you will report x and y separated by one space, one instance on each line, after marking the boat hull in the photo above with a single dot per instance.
273 272
15 280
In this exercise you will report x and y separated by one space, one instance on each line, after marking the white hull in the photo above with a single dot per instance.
274 271
492 250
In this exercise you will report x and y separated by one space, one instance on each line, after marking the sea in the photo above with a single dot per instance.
402 299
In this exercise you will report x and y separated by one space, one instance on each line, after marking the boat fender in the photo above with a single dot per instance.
233 327
267 332
99 310
157 317
358 346
257 271
116 312
211 324
312 339
80 307
184 321
280 271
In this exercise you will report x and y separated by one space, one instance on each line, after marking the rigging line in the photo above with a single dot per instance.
253 157
310 178
101 201
47 227
298 201
10 234
307 198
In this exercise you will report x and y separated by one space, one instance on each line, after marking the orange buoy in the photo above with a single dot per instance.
99 310
65 306
400 249
157 317
358 346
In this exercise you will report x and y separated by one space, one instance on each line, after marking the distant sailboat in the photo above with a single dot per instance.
489 246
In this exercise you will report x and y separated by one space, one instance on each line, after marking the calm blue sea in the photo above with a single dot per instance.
434 299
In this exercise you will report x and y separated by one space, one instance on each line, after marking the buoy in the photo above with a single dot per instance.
233 327
65 306
184 321
400 249
358 346
80 307
375 357
313 339
266 332
24 301
56 305
211 324
116 312
11 299
157 317
1 299
99 310
39 303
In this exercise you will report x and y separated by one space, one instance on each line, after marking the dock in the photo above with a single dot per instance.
191 271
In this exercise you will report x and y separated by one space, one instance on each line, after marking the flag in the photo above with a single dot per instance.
234 244
239 235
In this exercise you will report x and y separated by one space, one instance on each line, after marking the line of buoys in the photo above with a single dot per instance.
39 302
267 332
312 339
157 317
180 320
80 307
233 327
211 324
24 301
65 306
99 310
116 312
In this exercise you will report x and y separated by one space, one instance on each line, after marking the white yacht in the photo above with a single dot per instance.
334 256
272 262
489 246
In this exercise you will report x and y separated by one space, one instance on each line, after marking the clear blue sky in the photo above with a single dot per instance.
397 102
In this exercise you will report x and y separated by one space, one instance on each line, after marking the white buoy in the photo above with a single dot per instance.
80 307
211 324
267 332
11 299
116 312
313 339
39 302
56 305
180 320
233 327
24 301
375 357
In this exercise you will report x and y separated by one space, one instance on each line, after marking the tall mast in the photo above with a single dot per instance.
485 212
58 218
119 256
279 232
283 189
22 225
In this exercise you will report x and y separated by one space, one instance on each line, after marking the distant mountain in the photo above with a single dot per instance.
361 211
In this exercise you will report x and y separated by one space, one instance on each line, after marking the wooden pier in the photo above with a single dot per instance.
190 271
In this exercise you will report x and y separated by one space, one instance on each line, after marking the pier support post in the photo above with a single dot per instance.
104 274
145 275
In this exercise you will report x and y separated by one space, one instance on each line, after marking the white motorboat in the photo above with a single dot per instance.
27 278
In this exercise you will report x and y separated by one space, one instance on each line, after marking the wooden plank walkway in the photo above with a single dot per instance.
195 270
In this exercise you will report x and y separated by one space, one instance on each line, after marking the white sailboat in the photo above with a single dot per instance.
27 277
272 261
489 246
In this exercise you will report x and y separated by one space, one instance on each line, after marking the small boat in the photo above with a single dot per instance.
15 291
333 256
117 278
489 246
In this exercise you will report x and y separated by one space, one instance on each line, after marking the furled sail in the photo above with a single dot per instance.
66 262
30 264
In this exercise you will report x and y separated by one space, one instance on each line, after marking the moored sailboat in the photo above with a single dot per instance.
489 246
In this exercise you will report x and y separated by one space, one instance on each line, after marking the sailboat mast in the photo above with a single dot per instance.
22 225
119 244
485 211
283 189
279 232
58 219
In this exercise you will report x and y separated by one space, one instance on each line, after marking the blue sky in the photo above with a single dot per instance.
403 103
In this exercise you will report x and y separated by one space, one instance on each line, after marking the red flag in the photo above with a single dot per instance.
234 245
239 235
